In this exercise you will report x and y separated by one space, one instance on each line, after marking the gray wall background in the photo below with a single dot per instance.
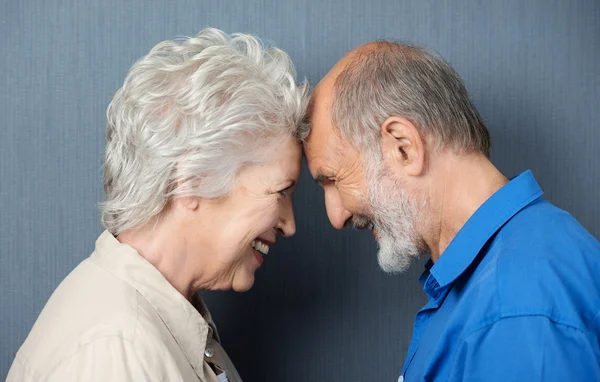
321 310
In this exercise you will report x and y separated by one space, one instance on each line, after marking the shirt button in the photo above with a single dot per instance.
209 352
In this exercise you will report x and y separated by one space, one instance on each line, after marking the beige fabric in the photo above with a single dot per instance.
116 318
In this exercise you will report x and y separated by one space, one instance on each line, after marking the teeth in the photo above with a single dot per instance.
260 246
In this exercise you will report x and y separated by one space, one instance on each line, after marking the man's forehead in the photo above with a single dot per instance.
324 151
319 105
324 146
315 149
319 118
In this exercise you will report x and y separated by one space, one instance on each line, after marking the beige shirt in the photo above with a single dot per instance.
116 318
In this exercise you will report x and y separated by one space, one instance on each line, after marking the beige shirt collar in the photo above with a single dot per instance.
187 325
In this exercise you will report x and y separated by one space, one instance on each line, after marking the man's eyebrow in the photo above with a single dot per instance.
320 178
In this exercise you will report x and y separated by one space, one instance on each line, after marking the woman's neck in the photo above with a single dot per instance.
156 244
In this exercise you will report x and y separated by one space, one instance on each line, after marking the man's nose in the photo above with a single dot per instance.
337 214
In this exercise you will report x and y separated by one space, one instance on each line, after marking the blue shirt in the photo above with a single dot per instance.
514 297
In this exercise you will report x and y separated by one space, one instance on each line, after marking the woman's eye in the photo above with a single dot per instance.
286 191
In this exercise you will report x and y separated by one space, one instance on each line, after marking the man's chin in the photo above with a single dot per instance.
393 267
395 258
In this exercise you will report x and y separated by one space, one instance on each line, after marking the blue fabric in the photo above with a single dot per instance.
514 297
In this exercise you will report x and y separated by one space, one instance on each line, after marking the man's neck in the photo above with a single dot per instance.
461 185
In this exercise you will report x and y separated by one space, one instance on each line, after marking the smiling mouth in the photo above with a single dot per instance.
261 246
360 225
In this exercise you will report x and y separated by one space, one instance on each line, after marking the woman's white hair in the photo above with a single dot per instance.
190 114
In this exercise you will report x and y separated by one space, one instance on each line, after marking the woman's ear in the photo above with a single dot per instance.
402 144
189 203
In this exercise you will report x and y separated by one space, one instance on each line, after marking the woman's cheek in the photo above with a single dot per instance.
271 216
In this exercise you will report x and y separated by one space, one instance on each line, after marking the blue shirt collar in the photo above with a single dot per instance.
481 226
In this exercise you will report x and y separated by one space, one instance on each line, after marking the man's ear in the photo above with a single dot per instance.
402 144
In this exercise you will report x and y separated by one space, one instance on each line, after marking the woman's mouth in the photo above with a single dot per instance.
260 249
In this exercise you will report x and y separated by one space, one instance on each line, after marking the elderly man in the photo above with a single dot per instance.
513 282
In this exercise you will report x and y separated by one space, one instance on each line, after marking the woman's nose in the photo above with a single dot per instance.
287 224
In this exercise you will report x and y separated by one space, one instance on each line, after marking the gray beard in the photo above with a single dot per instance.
394 219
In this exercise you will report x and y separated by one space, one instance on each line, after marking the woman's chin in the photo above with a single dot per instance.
243 284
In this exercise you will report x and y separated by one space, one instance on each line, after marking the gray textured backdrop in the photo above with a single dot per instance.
320 310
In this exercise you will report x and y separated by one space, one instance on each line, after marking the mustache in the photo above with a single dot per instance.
360 222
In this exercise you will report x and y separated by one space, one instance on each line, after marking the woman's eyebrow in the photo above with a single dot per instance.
292 184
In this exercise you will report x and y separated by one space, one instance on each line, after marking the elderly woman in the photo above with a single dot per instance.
202 156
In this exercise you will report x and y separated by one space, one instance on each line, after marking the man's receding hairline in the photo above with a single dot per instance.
358 57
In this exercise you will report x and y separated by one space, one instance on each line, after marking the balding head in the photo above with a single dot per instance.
382 79
324 92
378 119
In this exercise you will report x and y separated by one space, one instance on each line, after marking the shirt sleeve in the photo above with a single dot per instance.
105 359
526 348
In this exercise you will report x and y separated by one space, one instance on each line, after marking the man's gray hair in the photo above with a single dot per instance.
392 79
190 114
